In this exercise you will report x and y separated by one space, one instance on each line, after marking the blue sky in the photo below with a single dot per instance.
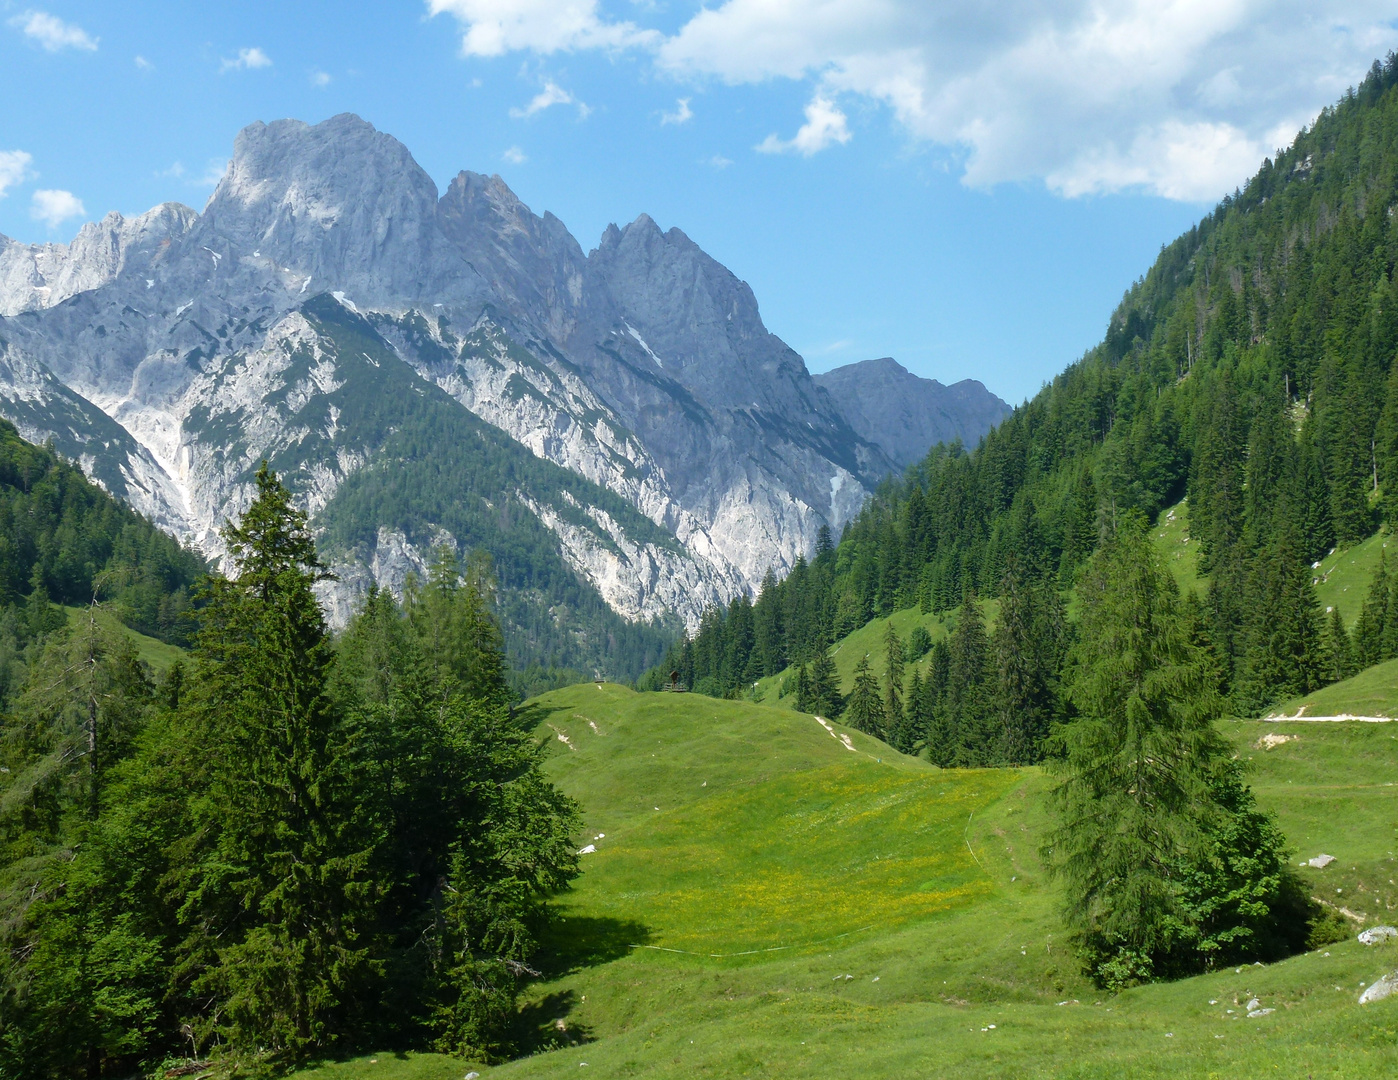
966 187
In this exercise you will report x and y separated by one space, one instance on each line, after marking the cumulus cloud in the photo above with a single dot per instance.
682 114
718 161
14 169
1180 98
320 79
552 94
53 208
52 32
825 124
245 60
515 156
495 27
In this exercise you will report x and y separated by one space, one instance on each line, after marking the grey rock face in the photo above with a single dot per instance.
169 352
42 275
906 415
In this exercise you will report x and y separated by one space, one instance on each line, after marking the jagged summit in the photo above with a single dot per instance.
200 343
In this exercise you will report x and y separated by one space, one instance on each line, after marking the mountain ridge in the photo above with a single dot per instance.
642 366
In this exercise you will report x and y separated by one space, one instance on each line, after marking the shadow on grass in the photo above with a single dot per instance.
571 943
528 717
543 1025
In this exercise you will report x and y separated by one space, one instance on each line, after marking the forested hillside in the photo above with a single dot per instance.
1251 371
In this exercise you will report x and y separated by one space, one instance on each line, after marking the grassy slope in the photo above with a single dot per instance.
868 641
770 835
156 653
1342 579
1373 692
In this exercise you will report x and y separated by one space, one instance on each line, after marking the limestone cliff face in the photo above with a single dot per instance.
327 300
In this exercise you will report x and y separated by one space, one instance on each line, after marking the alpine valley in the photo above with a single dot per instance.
617 428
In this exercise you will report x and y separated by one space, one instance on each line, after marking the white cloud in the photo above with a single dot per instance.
1180 98
53 208
52 32
682 114
320 79
213 172
515 156
495 27
825 124
246 59
14 169
718 161
552 94
143 64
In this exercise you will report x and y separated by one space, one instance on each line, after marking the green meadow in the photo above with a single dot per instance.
769 897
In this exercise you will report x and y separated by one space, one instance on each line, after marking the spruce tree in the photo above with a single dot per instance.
968 702
911 728
1137 800
1373 618
823 686
865 710
1026 649
1285 654
1339 650
278 939
893 680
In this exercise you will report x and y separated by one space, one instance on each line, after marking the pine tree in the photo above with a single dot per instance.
865 711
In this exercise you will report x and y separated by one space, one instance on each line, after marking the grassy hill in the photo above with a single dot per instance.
765 900
159 655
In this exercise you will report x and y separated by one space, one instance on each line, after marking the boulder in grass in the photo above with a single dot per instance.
1376 935
1320 862
1385 987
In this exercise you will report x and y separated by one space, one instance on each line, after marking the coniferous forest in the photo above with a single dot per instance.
1250 371
285 844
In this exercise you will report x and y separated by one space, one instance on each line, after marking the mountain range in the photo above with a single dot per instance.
617 427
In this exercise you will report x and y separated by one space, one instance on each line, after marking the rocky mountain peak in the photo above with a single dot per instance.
339 202
532 264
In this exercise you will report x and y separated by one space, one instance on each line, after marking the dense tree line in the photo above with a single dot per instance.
288 845
1251 370
64 540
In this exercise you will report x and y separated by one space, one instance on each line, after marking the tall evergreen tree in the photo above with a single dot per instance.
279 946
1026 645
893 680
1373 618
1137 799
968 701
864 710
1339 650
